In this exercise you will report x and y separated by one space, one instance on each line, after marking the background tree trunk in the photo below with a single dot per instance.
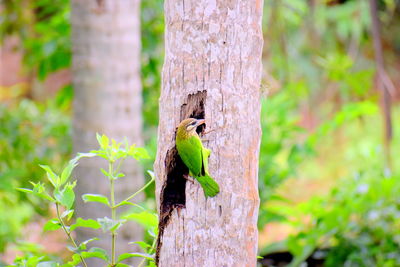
106 78
212 70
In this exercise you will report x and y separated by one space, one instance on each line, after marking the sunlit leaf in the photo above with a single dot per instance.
66 173
147 219
52 177
83 245
52 225
96 198
96 253
89 223
66 196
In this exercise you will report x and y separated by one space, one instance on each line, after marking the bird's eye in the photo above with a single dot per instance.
193 123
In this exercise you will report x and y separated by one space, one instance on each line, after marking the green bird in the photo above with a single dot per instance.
195 155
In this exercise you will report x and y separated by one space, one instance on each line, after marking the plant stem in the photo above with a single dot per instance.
113 212
68 233
149 252
119 166
134 194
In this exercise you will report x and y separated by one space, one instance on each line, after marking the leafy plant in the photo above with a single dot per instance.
281 151
30 133
44 31
358 222
152 57
62 196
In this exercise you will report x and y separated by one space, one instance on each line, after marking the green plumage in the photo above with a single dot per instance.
195 156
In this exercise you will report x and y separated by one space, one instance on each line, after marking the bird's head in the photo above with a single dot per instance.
189 126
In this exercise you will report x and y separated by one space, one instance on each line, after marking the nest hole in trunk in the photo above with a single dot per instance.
173 190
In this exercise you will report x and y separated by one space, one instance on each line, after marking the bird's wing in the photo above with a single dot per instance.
190 151
205 153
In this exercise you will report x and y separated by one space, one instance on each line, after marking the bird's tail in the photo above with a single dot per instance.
209 185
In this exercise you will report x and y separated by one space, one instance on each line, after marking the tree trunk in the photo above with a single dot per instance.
106 78
212 70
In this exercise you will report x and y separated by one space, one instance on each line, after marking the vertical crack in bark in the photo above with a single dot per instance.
173 190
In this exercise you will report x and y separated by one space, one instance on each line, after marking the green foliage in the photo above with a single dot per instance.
62 196
358 221
152 25
13 215
33 255
43 28
318 45
152 58
44 31
280 151
321 60
23 127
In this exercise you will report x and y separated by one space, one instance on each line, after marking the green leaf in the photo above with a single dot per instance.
25 190
147 219
66 173
138 152
66 196
100 153
115 146
98 137
46 196
152 175
131 204
82 246
52 225
52 177
38 187
85 223
38 190
106 174
47 264
96 198
108 224
122 265
96 253
120 175
76 259
125 256
153 232
72 248
117 225
85 155
142 255
103 141
143 245
68 214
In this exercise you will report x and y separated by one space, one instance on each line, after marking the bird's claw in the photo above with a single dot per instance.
207 132
187 177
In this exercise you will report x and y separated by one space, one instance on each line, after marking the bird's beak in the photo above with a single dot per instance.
200 122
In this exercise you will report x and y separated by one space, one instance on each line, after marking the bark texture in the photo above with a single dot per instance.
212 70
106 78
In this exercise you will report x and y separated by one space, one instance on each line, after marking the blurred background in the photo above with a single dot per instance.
329 177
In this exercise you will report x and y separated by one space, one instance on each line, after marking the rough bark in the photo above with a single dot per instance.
212 70
106 79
